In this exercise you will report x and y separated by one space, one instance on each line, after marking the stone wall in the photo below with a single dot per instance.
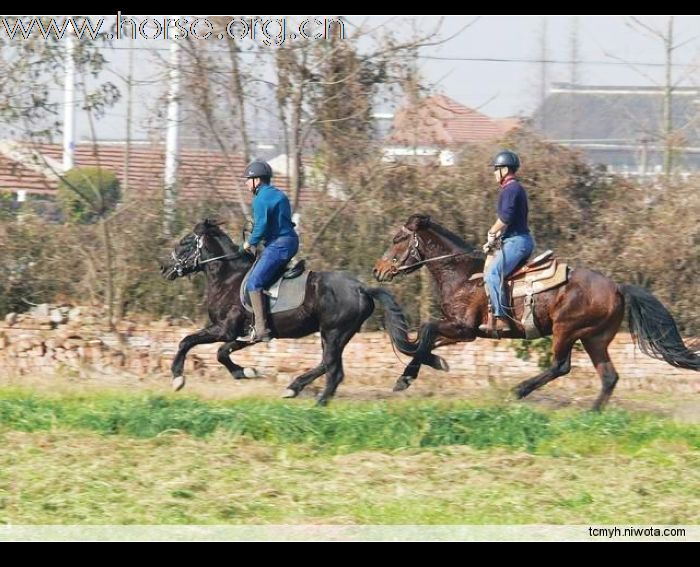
59 339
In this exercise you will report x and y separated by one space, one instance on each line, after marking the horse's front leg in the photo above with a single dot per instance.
300 382
211 334
445 331
236 371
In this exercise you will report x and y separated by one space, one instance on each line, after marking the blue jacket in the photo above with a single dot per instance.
272 215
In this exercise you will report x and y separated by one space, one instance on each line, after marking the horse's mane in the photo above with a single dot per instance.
451 236
229 246
226 241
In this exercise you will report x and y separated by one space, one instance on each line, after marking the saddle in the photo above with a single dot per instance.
543 273
286 292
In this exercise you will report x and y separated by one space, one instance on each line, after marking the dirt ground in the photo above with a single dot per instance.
682 406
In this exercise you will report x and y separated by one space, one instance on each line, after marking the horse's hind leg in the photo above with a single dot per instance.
304 380
223 356
410 373
334 342
597 349
561 365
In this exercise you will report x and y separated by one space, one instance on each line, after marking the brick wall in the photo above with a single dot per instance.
28 347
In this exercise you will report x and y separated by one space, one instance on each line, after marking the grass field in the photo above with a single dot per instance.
133 458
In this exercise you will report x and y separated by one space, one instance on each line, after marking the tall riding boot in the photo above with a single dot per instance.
259 331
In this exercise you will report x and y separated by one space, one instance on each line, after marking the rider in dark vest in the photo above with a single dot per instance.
272 224
517 243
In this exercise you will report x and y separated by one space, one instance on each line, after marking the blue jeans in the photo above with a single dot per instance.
276 254
514 251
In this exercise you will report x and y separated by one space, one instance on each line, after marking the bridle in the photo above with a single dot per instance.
413 251
192 262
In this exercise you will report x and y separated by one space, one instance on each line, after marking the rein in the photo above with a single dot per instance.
413 251
437 258
231 256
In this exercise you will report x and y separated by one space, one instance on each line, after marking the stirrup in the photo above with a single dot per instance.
252 337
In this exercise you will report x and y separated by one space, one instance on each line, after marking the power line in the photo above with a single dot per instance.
552 61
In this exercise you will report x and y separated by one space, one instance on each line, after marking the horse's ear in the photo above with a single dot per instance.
212 222
416 222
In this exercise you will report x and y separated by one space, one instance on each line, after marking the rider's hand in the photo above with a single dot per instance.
248 247
491 239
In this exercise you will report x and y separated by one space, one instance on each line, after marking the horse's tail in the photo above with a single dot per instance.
398 326
654 330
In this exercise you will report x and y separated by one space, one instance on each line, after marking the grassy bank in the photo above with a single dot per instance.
143 459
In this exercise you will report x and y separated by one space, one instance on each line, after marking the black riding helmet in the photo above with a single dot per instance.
258 168
508 159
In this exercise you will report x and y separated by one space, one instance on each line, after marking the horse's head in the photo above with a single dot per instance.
206 243
184 259
404 255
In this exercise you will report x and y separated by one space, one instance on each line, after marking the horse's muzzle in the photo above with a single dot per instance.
384 271
168 272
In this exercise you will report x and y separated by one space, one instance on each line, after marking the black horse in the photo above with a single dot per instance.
336 304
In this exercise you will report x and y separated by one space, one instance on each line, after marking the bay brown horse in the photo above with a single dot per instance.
336 304
589 307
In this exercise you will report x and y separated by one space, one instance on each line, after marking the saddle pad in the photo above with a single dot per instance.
283 295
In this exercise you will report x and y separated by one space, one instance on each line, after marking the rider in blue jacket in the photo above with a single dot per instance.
272 224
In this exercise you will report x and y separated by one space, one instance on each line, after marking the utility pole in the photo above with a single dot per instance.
171 143
129 94
573 114
543 75
668 99
69 102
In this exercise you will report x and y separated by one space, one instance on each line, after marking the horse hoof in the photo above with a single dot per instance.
177 383
443 364
519 393
240 374
289 393
402 383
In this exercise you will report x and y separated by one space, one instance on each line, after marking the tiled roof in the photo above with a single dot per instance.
203 174
441 121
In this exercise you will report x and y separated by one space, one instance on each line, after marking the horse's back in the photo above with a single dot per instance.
341 295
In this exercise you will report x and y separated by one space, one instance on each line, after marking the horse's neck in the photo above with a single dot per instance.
449 274
225 272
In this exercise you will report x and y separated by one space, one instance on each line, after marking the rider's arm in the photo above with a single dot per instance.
498 227
260 213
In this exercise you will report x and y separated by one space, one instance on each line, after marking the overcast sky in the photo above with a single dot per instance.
492 65
606 43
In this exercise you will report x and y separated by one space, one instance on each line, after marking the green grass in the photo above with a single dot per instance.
129 459
344 427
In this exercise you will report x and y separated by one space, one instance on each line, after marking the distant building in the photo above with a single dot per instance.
438 128
203 175
622 127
